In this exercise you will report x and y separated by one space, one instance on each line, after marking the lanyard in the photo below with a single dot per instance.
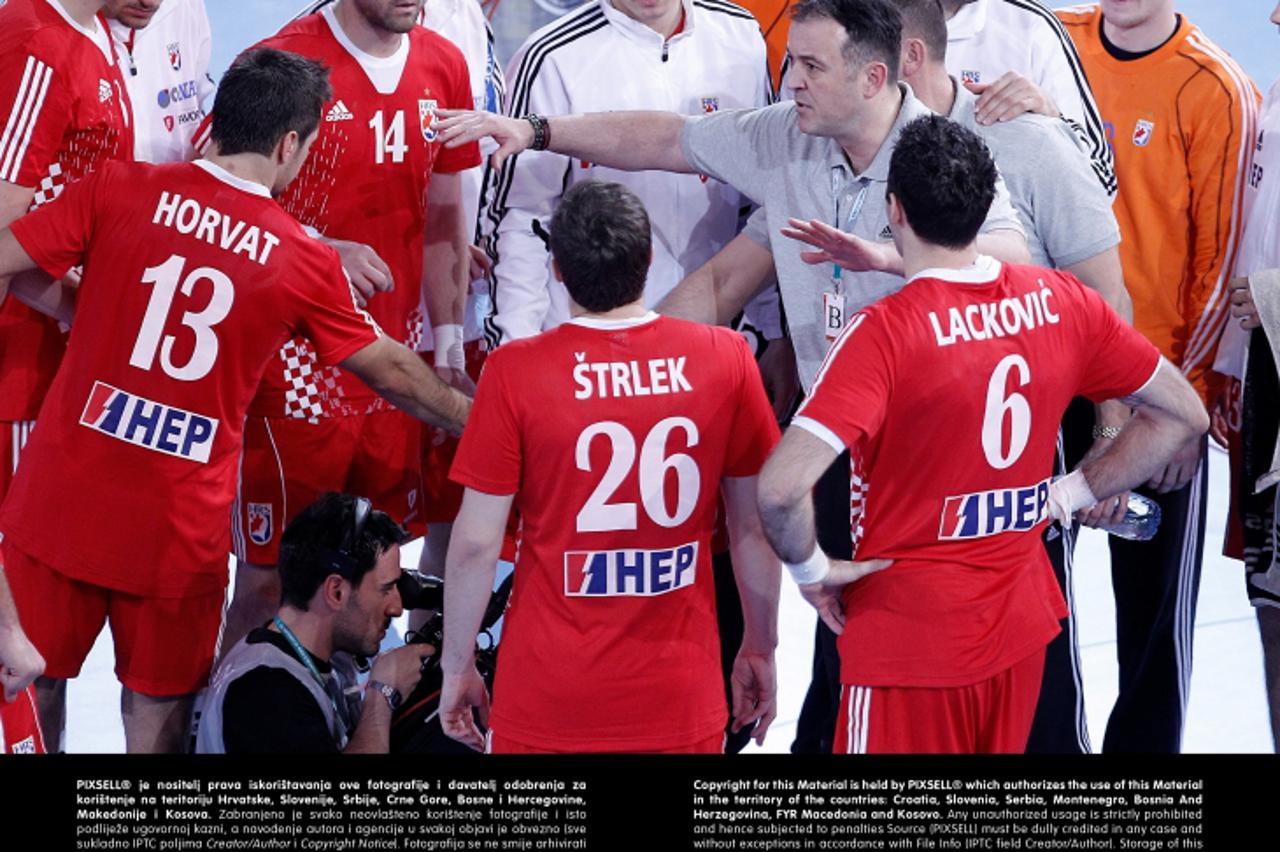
854 211
301 652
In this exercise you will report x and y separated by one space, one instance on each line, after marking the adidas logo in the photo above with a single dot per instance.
886 234
104 91
339 112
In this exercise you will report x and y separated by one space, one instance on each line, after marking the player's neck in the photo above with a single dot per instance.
372 40
934 88
633 310
251 167
918 256
83 12
1144 35
869 132
664 26
313 631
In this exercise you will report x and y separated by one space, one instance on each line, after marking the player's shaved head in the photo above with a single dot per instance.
602 243
265 94
943 176
925 20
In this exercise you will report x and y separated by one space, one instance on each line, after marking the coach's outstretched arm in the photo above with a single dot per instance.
1168 416
631 140
409 384
786 510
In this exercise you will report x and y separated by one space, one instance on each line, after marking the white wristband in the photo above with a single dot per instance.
1068 495
812 570
446 338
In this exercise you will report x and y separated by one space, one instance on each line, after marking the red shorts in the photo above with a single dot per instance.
992 716
13 437
441 497
20 726
498 744
164 646
287 463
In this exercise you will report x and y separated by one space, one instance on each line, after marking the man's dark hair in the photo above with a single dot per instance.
265 94
602 242
873 27
925 20
315 543
944 179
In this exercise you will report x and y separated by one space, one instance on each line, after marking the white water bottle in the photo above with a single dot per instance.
1141 520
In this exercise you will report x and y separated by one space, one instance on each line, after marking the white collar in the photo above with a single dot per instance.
383 71
968 21
587 321
639 31
95 35
218 172
984 270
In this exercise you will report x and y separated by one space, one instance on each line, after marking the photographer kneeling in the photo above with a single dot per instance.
290 686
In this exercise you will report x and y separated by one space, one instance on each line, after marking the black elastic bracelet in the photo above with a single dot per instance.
541 131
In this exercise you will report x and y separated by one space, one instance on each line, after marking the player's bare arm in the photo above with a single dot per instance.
1103 274
786 511
630 140
445 276
367 271
1243 308
758 575
20 662
400 376
474 547
717 291
1168 417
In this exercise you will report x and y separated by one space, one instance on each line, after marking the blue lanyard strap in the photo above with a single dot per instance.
854 211
300 651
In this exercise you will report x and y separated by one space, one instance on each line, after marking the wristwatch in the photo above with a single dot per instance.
389 692
1109 432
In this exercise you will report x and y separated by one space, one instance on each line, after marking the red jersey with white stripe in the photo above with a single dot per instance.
366 181
193 278
950 392
63 112
614 447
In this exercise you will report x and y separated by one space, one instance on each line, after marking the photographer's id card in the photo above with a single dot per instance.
832 314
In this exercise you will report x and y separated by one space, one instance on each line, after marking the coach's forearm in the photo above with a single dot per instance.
632 141
717 291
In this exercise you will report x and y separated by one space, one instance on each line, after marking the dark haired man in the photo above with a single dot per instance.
613 608
289 687
193 278
962 377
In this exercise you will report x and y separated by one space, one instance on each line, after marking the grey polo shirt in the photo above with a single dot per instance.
764 155
1066 212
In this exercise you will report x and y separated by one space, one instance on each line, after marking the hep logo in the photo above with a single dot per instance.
988 513
629 573
148 424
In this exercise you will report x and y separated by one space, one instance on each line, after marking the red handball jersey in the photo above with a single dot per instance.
951 392
193 278
366 181
614 443
64 112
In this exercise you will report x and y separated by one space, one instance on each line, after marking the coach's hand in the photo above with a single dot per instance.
1010 96
368 274
846 250
460 694
754 688
460 126
1242 306
20 662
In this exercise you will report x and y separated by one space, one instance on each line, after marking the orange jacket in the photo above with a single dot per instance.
1181 122
775 23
